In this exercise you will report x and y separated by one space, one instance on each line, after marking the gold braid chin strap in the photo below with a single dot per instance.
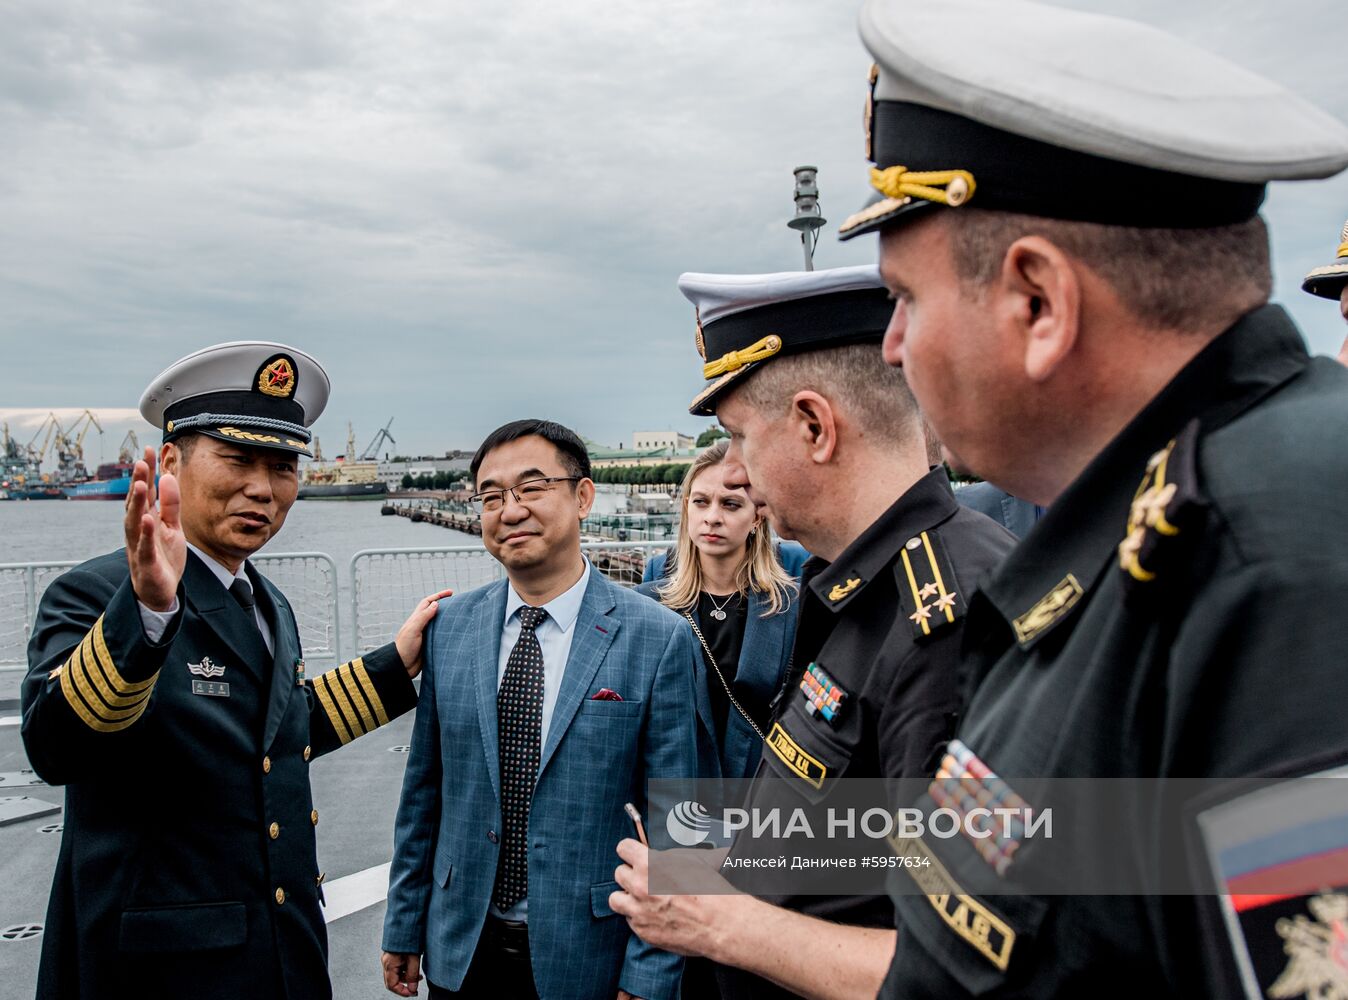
947 187
735 360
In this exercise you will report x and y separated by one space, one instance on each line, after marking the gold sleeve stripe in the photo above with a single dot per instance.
936 572
119 683
349 690
91 698
86 705
344 706
917 596
81 710
367 685
87 665
335 717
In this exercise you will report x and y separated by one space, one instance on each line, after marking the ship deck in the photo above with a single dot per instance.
356 794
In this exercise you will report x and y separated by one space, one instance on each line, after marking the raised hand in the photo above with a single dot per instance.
156 548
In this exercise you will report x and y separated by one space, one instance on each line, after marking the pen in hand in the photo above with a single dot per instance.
631 811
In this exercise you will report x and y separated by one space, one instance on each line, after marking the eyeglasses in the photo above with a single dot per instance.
525 493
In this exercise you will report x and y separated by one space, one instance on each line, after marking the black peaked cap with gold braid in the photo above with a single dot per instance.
254 393
1328 281
1022 107
746 320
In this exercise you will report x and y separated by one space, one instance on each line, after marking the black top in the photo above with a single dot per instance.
898 667
1205 642
725 637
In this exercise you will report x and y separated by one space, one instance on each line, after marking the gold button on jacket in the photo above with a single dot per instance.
313 817
274 830
280 896
266 765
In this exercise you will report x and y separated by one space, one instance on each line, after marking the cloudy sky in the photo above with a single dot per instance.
470 212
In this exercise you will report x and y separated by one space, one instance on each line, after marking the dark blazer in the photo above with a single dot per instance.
1015 515
187 864
764 656
598 755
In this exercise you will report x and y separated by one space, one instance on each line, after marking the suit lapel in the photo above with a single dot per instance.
241 644
761 652
594 632
488 620
284 661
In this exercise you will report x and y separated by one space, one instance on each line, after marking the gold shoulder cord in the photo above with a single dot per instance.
729 694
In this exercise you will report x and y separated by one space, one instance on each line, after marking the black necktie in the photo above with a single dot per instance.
519 718
242 592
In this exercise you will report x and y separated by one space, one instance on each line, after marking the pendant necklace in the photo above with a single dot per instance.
718 610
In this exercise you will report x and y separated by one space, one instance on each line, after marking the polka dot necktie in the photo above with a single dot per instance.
519 718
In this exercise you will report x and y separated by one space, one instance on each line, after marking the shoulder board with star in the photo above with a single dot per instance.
928 589
1167 511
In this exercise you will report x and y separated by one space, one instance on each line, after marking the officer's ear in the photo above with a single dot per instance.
169 459
173 456
813 422
1039 295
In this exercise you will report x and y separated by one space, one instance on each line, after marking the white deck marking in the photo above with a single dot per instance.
352 893
10 720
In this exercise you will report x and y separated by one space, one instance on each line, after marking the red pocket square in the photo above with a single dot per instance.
606 694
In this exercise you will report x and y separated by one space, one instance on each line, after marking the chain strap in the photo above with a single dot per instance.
720 676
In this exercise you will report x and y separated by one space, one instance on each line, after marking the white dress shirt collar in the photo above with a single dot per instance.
221 572
564 609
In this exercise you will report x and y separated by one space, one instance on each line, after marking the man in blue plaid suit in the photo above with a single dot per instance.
548 700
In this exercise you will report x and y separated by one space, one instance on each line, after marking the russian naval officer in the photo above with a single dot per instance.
1069 215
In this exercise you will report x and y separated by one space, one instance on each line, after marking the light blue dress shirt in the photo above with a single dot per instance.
554 635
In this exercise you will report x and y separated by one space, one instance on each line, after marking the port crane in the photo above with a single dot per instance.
14 452
371 453
129 450
50 426
70 447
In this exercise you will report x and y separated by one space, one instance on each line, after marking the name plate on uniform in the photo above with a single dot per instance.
213 689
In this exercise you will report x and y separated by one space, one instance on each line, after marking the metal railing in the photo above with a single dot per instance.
21 588
309 581
385 584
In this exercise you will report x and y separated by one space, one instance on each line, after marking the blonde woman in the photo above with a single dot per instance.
726 577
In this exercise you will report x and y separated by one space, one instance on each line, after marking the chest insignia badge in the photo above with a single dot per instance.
964 783
299 672
823 696
1317 951
206 668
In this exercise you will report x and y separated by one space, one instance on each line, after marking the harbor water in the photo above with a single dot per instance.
54 531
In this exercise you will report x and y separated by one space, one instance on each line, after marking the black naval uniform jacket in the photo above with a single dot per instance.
883 622
187 864
1181 611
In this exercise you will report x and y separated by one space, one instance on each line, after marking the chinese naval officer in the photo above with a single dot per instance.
166 690
1068 207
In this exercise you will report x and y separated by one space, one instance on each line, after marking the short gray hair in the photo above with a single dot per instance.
1188 280
854 377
